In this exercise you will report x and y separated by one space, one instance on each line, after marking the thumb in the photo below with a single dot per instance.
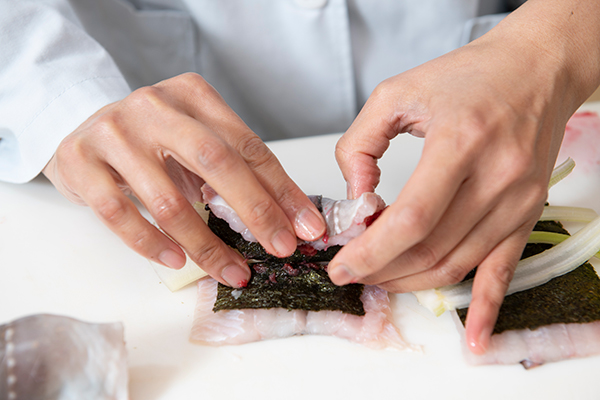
364 143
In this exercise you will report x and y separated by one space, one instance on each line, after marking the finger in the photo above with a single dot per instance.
176 216
471 203
100 192
471 251
203 103
203 152
308 221
409 220
363 144
489 288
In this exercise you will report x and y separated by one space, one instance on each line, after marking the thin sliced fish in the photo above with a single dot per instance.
536 347
54 357
375 329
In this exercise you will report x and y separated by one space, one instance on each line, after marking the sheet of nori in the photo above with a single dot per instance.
295 282
570 298
308 287
254 251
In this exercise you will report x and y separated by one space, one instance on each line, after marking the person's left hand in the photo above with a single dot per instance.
493 114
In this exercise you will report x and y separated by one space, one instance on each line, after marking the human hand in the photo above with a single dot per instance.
492 114
161 143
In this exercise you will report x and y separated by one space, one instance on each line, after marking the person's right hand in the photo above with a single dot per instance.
161 143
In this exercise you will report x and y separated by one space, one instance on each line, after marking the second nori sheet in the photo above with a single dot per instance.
570 298
295 282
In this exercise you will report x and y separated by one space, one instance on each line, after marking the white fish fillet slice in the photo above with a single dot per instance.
546 344
345 219
48 356
375 329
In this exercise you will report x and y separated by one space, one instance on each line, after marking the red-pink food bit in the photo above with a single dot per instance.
290 270
307 250
370 219
260 268
272 278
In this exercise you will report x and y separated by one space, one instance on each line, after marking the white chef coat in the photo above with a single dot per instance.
289 68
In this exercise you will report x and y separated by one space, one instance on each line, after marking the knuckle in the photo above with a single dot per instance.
112 210
146 97
414 219
213 153
195 83
422 255
168 206
255 151
207 256
260 213
447 273
383 90
502 274
142 241
108 123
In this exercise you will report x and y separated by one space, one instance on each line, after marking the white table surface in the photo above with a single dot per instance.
57 258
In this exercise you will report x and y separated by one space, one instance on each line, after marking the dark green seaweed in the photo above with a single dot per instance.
570 298
254 251
298 282
304 286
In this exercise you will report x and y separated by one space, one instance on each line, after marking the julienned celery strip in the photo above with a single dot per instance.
560 172
550 238
571 214
530 272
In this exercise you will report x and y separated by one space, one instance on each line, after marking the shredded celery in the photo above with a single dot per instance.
562 171
530 272
551 238
571 214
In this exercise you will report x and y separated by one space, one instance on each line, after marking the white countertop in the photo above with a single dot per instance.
57 258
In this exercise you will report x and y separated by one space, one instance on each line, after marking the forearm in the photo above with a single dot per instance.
564 37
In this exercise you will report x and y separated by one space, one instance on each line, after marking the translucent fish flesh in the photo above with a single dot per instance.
50 357
532 348
345 219
375 329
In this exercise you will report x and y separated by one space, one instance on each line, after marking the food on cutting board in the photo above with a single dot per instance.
55 357
294 295
552 308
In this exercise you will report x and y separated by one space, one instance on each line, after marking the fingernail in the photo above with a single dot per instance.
235 276
341 275
171 259
284 243
349 195
309 224
480 345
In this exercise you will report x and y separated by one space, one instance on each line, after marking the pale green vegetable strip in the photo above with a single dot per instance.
560 172
571 214
530 272
550 238
175 279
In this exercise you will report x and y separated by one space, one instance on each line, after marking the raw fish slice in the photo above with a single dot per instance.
221 209
60 358
539 346
239 326
375 329
345 219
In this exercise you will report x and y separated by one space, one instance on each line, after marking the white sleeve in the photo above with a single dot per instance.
53 76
